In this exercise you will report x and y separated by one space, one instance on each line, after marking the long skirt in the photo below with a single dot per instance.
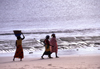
47 50
19 52
54 49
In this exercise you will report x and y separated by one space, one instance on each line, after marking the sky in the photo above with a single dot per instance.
40 15
20 10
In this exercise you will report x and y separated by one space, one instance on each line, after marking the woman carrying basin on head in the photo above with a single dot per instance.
19 50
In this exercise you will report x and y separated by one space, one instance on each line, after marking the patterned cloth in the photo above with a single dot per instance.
19 50
54 46
47 48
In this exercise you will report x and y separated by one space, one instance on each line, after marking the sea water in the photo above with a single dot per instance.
55 16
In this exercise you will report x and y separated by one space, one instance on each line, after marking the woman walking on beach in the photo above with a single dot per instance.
53 43
47 47
19 49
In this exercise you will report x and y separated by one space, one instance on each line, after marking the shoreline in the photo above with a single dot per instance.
74 53
89 51
63 42
61 51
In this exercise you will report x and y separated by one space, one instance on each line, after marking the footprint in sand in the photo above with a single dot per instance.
49 64
98 68
61 68
26 65
21 68
38 67
9 66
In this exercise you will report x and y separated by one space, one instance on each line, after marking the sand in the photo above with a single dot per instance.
63 62
74 53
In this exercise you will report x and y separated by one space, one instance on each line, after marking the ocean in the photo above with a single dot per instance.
90 27
35 17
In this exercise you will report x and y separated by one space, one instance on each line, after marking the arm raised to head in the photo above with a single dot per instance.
23 36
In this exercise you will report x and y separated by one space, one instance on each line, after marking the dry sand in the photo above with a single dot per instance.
64 62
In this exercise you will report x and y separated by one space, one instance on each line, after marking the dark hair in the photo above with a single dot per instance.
47 37
53 35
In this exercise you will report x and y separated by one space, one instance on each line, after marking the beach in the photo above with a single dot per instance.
81 52
76 24
64 62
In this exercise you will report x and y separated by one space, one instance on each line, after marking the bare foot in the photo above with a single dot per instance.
57 57
20 59
42 57
13 59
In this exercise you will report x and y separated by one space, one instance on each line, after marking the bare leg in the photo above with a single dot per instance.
14 59
20 59
56 55
49 56
42 56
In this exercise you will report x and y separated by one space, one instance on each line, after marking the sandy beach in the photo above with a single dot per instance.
74 53
76 24
64 62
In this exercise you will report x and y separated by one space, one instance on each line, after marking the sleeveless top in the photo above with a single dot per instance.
19 42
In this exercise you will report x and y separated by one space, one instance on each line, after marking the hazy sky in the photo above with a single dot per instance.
30 9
